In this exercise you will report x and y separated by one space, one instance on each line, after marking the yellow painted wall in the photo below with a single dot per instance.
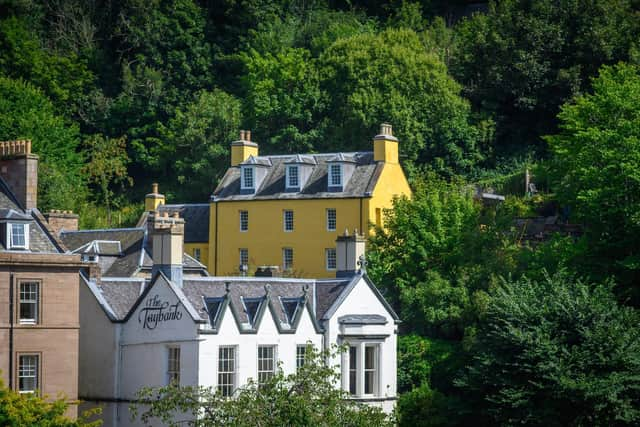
204 251
266 236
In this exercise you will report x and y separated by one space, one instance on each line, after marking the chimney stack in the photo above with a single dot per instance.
19 169
243 148
385 145
62 220
167 239
153 199
349 249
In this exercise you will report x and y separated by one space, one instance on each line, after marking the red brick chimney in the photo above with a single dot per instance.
19 169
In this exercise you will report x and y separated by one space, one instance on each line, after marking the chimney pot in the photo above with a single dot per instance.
248 135
154 188
176 214
241 135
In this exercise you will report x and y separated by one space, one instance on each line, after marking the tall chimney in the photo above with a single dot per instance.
349 249
385 145
153 199
243 148
62 220
167 237
19 169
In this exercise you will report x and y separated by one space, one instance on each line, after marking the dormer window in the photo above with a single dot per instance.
17 236
293 177
335 175
248 178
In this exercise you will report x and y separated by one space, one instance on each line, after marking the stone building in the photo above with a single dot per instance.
39 286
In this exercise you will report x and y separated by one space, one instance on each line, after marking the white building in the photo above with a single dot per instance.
221 331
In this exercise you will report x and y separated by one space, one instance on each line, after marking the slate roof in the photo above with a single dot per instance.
41 238
135 250
196 220
362 319
361 183
120 295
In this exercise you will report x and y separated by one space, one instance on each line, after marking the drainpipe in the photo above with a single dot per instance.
11 280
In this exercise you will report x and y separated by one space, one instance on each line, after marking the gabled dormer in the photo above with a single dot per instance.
297 172
252 174
339 171
14 230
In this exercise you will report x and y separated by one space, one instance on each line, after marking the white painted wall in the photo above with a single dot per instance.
362 300
247 346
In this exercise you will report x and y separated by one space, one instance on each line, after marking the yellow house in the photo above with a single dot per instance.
288 210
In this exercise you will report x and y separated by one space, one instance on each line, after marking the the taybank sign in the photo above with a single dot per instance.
158 311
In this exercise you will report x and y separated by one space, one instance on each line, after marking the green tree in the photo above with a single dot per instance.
283 100
17 410
308 397
523 59
555 352
391 77
25 113
107 167
437 256
197 141
64 79
597 158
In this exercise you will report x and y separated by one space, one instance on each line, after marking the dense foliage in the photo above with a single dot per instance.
17 410
556 352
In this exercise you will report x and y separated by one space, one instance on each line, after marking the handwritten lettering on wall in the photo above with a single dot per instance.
157 311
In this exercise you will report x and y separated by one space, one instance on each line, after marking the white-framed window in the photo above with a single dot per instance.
29 302
335 175
301 354
371 368
244 256
196 253
17 235
244 220
266 363
226 370
331 219
28 373
353 369
330 258
287 220
293 176
173 365
248 178
364 369
287 258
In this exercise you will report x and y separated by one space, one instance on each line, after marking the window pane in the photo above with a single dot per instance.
29 297
174 365
331 219
301 351
244 256
287 258
288 220
17 235
293 176
226 370
352 369
330 255
247 174
370 368
28 373
266 363
335 175
244 220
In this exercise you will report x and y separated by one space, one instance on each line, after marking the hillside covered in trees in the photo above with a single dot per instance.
498 329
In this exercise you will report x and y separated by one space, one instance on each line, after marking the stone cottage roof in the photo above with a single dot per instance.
361 183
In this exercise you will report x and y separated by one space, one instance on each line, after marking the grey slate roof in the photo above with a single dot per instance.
361 184
135 250
41 239
121 295
196 220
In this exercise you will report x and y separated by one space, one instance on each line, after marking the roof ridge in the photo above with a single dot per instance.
102 230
